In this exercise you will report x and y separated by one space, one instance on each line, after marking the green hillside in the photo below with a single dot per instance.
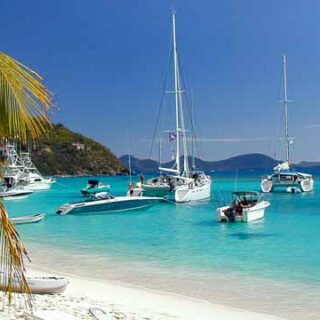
63 152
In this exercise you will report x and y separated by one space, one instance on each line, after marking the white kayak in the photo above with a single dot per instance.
41 285
32 218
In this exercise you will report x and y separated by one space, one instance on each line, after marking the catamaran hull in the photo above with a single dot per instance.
196 193
274 183
251 214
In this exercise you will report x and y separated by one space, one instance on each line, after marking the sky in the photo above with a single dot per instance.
105 61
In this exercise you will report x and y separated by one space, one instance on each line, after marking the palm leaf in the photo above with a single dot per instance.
24 101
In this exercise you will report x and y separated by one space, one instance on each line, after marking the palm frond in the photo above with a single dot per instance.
24 101
12 251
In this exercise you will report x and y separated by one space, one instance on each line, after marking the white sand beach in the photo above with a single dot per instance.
128 302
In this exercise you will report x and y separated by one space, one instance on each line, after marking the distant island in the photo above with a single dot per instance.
252 161
63 152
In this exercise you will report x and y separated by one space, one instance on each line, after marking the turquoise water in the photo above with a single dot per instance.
185 239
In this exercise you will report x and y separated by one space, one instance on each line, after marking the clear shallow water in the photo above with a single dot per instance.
184 246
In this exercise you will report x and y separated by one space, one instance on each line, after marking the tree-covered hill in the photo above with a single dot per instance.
63 152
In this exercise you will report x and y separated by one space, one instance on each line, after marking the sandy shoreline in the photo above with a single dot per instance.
129 302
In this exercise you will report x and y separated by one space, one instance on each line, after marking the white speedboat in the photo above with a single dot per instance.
14 193
94 186
38 285
245 207
103 202
182 182
31 176
33 218
284 177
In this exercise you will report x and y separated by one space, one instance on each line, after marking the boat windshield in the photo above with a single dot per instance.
246 198
100 196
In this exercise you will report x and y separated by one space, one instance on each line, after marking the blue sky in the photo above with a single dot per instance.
106 60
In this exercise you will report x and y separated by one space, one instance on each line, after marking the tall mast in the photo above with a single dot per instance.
176 90
192 135
285 102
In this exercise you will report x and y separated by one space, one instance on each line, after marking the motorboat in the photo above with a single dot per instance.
283 176
13 167
246 206
33 218
14 192
94 186
104 202
181 182
31 177
20 170
37 285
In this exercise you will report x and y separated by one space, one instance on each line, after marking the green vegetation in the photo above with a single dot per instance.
63 152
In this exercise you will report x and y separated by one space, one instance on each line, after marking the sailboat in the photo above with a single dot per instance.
284 176
185 184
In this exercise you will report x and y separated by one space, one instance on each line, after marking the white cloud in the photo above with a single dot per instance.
232 139
313 126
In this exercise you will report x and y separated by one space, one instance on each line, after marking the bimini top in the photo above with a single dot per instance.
93 182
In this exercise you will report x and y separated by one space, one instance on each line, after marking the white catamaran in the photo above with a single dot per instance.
185 184
284 176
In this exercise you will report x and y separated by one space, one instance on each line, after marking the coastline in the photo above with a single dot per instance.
135 302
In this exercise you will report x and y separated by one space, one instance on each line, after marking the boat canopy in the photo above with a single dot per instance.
246 195
93 182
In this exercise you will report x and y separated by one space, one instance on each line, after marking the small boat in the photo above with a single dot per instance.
47 285
94 186
245 207
13 193
39 285
104 202
29 218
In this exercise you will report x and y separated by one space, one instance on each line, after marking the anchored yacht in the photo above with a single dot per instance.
284 177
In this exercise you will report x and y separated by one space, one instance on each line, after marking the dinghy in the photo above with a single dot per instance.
38 285
33 218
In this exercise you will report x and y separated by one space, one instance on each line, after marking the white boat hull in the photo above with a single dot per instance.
194 193
28 218
15 194
302 182
40 285
256 212
116 204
